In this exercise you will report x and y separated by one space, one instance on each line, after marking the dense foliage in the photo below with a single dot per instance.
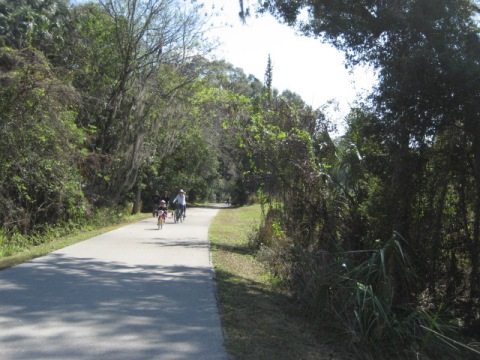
387 218
104 104
40 144
377 232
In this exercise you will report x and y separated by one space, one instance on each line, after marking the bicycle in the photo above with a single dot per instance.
178 215
162 215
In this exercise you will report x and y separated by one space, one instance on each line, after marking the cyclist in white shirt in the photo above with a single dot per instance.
181 200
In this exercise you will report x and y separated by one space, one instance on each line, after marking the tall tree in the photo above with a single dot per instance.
269 77
133 47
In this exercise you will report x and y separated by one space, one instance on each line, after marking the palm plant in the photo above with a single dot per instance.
376 326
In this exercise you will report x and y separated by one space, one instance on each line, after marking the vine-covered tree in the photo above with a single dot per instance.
40 183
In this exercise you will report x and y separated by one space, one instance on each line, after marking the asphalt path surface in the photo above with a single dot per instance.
133 293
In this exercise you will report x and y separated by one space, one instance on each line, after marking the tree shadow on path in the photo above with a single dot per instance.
78 308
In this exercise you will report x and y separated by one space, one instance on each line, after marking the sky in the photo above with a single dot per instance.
306 66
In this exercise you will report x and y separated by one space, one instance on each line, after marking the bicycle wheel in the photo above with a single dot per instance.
160 222
179 213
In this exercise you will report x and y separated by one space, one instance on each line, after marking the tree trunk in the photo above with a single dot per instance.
474 244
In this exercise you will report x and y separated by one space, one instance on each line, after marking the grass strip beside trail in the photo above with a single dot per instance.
259 320
46 248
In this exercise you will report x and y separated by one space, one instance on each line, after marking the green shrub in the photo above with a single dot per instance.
358 301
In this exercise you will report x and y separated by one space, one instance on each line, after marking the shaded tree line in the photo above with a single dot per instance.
104 103
378 231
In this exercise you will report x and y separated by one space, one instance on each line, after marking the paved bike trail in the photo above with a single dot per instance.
133 293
